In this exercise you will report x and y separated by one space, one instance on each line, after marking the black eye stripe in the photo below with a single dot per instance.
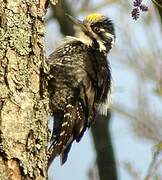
106 24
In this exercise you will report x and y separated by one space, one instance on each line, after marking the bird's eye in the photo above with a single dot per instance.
96 29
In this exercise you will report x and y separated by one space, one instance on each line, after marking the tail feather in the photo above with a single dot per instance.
64 154
72 128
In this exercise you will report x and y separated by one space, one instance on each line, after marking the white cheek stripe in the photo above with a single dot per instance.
88 41
102 46
100 42
109 35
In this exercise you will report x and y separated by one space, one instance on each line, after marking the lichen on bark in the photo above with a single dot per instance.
23 106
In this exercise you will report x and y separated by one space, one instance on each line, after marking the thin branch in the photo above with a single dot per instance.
154 166
157 3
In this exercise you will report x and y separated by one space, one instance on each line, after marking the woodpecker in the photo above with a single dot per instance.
80 81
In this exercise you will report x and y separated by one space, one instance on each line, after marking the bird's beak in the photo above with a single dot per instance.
77 23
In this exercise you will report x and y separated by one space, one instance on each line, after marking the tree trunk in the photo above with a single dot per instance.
23 101
104 148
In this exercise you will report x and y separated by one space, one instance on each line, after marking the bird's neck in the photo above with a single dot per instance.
88 39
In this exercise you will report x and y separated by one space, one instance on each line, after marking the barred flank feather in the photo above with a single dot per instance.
72 128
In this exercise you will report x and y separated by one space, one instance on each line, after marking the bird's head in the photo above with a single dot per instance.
95 30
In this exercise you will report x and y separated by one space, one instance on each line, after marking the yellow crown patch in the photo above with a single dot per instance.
94 17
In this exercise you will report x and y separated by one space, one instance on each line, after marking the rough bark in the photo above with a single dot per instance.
23 101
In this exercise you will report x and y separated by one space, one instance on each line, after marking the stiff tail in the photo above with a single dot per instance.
71 128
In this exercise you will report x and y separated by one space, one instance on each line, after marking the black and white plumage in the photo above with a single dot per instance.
80 81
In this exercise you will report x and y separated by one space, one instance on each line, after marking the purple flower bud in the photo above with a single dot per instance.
137 3
143 7
135 13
